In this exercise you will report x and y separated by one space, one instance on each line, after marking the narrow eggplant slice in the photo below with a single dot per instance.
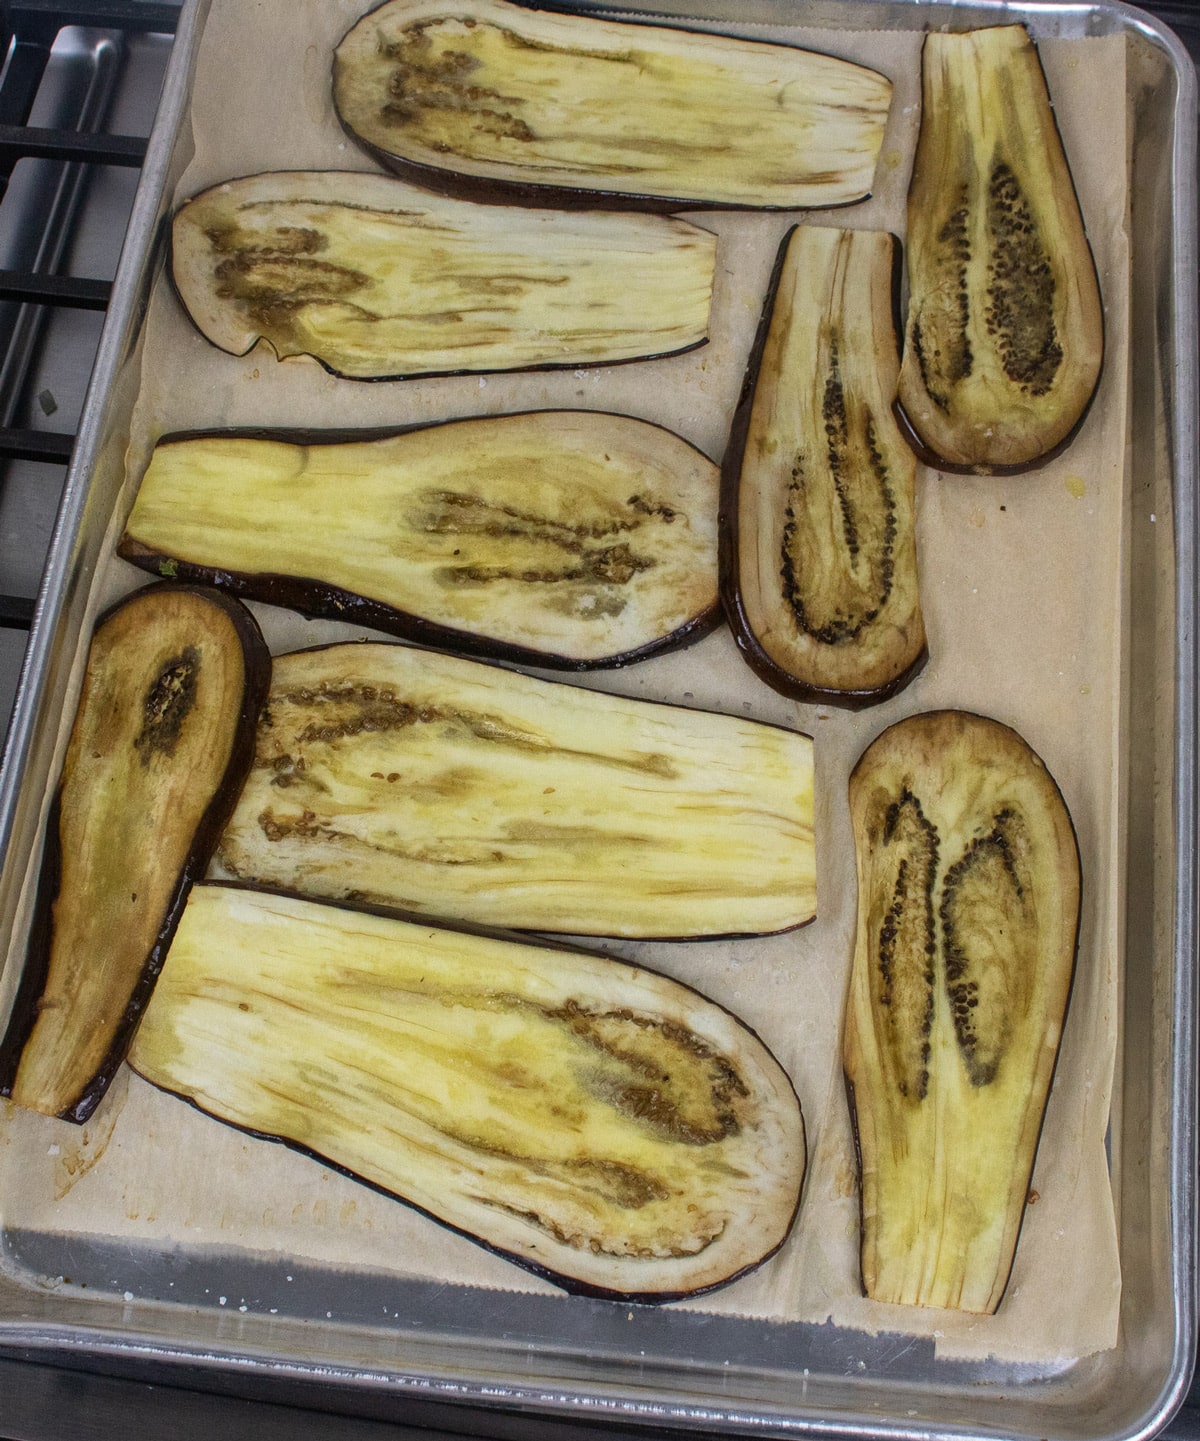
1005 330
968 911
496 101
569 539
162 739
601 1125
378 280
818 513
449 788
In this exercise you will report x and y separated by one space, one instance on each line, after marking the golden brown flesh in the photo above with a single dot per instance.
820 575
162 739
968 910
1005 333
592 1121
497 100
454 789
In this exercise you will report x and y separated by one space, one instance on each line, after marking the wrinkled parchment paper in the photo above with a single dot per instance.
1023 586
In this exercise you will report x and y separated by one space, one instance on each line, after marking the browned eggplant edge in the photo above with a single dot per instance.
849 1084
552 937
930 457
566 1283
727 528
212 824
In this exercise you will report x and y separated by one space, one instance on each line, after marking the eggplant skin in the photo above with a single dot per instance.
377 280
162 741
498 102
969 893
818 516
439 786
1004 341
600 1125
573 540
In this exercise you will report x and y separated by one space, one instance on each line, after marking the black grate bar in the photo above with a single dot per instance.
16 612
42 143
129 15
53 446
44 289
26 64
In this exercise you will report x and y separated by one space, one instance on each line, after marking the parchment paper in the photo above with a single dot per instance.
1023 589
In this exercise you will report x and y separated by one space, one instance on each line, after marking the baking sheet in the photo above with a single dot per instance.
1023 586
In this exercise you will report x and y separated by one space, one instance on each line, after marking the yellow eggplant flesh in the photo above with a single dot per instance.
376 279
449 788
495 100
565 538
1005 332
968 911
820 577
591 1121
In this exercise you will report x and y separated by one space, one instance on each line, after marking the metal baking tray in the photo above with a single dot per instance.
90 1304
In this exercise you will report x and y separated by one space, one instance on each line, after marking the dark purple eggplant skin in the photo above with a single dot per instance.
37 959
731 469
565 1283
936 462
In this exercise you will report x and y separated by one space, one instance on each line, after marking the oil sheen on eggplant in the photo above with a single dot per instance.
569 539
968 912
599 1124
162 739
493 100
449 788
376 279
1005 333
818 516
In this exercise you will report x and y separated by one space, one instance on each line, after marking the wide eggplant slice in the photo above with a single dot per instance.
449 788
163 736
498 101
968 911
1005 332
570 539
818 516
599 1124
376 279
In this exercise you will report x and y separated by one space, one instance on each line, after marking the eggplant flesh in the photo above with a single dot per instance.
1005 330
968 912
820 563
162 739
566 538
594 1122
444 787
494 100
376 279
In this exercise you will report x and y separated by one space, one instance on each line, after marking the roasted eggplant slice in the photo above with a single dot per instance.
1005 331
162 739
818 524
569 539
599 1124
497 101
450 788
378 280
968 909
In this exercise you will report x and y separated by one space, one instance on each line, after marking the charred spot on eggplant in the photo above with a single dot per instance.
444 787
819 554
603 1126
162 739
1005 334
968 913
497 101
375 279
570 539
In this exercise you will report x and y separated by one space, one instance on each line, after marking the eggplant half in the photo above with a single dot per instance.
968 912
567 539
377 280
497 101
603 1126
448 788
162 739
1005 331
819 550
